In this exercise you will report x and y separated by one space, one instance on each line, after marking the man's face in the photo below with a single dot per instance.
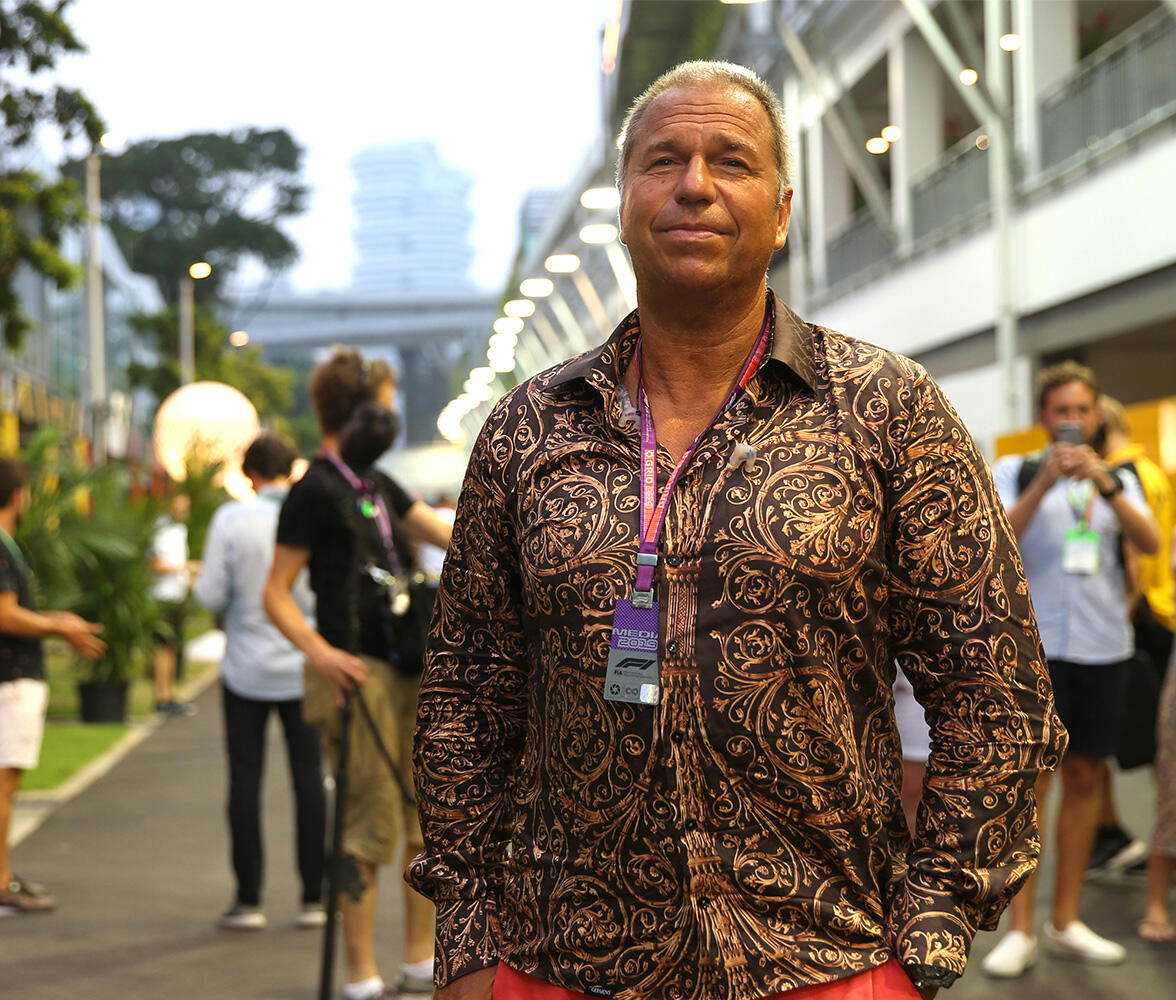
699 207
1070 403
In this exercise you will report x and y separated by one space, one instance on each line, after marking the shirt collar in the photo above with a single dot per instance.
792 346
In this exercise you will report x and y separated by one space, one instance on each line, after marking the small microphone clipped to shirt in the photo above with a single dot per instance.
742 454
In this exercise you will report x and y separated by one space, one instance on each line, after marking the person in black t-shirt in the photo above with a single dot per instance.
23 691
352 525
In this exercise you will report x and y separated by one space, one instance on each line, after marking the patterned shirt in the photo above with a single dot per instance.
745 835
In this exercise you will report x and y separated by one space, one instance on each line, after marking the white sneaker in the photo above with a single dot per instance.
310 916
1014 956
1079 943
242 918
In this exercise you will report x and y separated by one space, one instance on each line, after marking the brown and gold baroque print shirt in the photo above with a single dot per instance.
744 836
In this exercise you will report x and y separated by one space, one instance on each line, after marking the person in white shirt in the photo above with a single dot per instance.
172 571
262 672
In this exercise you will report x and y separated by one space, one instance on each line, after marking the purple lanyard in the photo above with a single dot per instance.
371 505
653 515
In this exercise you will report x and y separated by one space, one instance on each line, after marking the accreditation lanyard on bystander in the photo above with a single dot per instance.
632 671
1080 546
371 505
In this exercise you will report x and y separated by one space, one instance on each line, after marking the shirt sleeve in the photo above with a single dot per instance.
297 520
1004 479
214 585
470 731
9 572
399 500
1133 492
964 633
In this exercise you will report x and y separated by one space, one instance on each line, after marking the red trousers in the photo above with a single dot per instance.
885 982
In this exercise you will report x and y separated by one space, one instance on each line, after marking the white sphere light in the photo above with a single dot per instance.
209 422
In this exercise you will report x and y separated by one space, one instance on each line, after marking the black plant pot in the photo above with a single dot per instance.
103 701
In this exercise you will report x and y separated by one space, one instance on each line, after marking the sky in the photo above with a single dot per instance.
508 90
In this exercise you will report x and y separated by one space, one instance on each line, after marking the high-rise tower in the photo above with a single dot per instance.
412 233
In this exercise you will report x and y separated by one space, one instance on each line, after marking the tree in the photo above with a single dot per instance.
268 388
34 210
208 196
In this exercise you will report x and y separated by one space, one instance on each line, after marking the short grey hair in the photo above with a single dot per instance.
710 72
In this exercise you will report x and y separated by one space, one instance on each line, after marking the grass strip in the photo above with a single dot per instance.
67 748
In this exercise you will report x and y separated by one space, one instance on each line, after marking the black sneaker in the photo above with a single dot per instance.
175 709
1136 873
1114 851
407 985
23 896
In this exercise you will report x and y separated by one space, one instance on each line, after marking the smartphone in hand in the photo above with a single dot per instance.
1071 433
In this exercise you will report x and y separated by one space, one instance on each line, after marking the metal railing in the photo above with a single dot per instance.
953 190
1126 82
861 243
1119 90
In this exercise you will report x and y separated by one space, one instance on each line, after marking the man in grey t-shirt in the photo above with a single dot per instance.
1075 522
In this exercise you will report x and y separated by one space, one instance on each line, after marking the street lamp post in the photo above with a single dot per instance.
95 307
95 320
201 269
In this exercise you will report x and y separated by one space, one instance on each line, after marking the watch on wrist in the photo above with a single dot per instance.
1115 489
930 977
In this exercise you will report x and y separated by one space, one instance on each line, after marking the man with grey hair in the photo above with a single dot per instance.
656 753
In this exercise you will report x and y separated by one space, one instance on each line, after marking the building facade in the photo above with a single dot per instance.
1016 207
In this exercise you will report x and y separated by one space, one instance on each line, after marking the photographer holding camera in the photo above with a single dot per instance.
351 525
1075 520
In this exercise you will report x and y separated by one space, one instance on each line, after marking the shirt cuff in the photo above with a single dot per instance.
467 939
930 931
933 977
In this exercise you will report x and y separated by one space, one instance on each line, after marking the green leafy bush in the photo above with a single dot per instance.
88 534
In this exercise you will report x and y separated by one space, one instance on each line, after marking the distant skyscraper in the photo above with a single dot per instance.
539 205
413 221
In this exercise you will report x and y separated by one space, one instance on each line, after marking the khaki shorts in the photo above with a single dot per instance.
22 722
376 817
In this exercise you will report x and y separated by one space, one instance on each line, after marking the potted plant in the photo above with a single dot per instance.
88 541
111 566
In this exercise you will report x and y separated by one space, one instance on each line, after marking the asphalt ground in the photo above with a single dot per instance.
139 863
137 856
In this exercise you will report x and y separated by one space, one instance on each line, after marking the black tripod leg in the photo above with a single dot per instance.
335 863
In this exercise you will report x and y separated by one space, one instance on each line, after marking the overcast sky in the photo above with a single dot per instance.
509 91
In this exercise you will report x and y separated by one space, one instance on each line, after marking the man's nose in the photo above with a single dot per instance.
696 182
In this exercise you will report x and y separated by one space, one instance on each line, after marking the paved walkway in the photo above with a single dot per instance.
138 859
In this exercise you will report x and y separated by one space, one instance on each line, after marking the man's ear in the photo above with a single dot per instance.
783 217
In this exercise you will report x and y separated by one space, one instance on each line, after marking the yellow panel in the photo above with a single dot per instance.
1021 442
1152 424
9 434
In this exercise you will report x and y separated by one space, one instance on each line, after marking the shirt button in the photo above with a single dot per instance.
672 646
674 559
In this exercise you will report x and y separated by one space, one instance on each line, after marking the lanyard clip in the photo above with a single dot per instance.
643 589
